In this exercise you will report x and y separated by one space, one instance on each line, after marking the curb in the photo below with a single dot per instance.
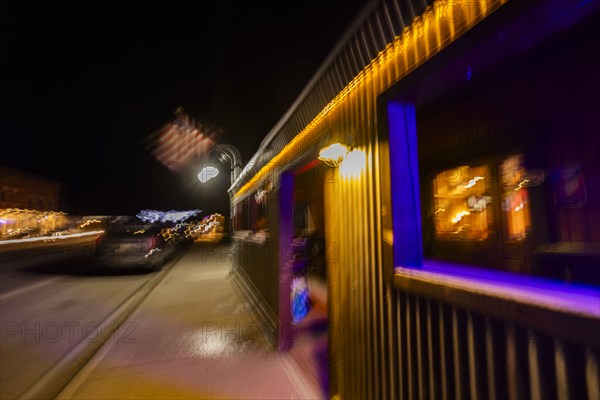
58 377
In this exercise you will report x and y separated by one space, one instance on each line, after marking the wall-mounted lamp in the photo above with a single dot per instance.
333 154
354 164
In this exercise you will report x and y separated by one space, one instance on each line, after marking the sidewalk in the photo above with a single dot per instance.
195 336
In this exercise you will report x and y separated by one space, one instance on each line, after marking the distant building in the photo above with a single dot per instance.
19 189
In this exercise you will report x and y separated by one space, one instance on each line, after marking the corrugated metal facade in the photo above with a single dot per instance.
384 342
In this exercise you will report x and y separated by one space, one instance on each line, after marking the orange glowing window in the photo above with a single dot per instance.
462 199
515 201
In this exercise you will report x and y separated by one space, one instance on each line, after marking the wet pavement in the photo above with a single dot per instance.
195 336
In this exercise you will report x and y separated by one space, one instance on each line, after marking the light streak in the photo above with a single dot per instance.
153 216
521 184
459 216
473 181
45 238
89 222
151 252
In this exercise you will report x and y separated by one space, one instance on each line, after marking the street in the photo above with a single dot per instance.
60 311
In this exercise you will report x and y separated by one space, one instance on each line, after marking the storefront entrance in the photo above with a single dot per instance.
309 271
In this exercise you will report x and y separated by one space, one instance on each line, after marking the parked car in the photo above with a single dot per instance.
130 242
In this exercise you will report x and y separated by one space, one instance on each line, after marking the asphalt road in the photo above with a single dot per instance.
53 316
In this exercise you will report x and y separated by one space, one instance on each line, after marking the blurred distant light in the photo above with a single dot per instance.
153 216
151 252
49 238
207 230
208 173
89 222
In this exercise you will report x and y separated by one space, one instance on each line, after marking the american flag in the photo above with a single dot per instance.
181 141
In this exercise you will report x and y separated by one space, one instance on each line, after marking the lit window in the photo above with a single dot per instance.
461 203
515 202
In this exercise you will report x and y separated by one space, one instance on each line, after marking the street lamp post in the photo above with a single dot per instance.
226 154
230 155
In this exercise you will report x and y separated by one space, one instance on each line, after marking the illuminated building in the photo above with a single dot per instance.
28 203
470 176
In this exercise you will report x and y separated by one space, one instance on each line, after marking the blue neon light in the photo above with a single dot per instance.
404 165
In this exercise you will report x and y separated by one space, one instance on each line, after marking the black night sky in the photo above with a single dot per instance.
83 87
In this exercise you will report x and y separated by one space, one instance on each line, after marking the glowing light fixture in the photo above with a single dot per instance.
208 173
333 154
353 164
